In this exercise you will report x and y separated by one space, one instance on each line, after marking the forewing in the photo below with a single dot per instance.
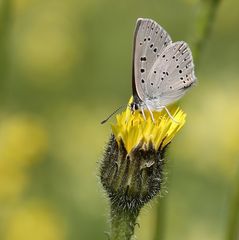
171 75
150 40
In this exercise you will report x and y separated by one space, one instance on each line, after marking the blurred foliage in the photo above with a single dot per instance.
65 65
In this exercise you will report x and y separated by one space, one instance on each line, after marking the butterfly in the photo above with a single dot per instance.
163 71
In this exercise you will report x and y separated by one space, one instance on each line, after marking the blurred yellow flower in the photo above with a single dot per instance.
22 142
43 42
34 221
12 183
133 129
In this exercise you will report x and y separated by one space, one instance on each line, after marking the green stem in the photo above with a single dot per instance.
5 28
205 16
122 224
160 219
233 223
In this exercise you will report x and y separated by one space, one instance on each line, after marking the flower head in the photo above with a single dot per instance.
133 130
133 163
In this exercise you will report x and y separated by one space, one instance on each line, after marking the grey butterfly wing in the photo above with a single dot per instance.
171 75
150 39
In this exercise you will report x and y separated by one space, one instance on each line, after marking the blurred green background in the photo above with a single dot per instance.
64 66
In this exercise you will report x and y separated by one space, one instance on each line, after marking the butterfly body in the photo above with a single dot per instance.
163 70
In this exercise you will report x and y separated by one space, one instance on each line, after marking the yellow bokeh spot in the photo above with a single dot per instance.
133 129
45 45
34 221
23 142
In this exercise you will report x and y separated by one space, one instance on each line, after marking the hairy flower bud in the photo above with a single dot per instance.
132 167
131 179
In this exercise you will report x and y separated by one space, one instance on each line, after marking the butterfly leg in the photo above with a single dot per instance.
142 111
170 115
151 114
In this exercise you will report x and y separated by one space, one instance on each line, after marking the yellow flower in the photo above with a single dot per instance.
132 129
132 170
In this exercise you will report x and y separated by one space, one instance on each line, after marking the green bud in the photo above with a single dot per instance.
131 179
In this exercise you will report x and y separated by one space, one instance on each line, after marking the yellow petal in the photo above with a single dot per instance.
132 128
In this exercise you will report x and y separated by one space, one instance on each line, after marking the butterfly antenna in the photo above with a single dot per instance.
104 121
